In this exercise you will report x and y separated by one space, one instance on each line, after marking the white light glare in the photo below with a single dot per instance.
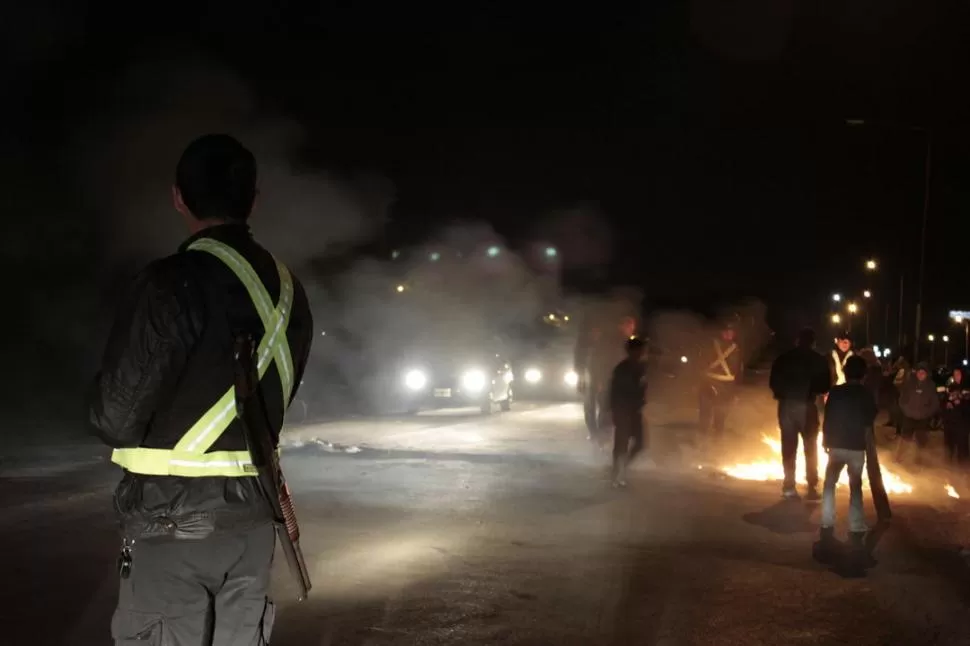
473 380
533 376
683 359
571 378
415 380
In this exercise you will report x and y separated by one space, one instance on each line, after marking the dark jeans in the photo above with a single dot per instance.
799 418
629 436
914 435
714 404
956 437
879 496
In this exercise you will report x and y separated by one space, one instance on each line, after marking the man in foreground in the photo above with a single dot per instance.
849 415
198 534
798 378
628 397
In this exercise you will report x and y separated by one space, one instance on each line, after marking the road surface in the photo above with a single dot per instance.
456 529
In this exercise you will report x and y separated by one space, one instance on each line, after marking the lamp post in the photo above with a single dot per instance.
836 319
927 176
852 309
932 340
961 318
946 350
867 295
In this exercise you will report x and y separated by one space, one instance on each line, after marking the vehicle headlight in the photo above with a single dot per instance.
508 377
415 380
473 380
571 378
533 376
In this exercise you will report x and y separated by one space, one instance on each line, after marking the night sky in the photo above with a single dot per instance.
711 136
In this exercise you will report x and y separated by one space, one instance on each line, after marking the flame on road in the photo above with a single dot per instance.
950 491
768 470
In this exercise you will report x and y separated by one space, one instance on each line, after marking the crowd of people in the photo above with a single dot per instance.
840 393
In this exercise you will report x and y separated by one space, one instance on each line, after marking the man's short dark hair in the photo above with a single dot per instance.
806 337
855 368
217 178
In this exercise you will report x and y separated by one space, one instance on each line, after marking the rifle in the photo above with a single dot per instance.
259 439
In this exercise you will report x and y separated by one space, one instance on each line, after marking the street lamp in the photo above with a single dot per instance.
927 134
853 308
932 340
871 265
867 294
946 350
963 318
836 297
836 319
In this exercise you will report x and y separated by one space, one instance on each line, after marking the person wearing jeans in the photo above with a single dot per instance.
798 377
849 415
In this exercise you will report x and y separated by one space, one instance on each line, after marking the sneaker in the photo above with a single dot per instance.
812 494
790 494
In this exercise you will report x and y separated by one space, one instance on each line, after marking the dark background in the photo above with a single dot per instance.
708 137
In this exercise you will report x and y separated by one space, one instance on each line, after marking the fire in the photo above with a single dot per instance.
767 470
950 491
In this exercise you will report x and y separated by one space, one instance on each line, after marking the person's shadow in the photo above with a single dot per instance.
784 517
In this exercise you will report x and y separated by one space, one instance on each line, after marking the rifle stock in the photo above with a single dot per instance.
259 440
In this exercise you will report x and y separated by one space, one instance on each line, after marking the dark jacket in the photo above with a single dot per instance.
799 374
956 409
628 386
167 361
918 399
849 414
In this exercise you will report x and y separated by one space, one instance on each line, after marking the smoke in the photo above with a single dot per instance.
459 293
125 167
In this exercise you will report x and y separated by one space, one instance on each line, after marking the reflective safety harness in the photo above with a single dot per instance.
840 366
724 374
190 457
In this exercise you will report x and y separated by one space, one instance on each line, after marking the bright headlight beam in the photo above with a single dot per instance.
415 380
473 380
533 376
571 378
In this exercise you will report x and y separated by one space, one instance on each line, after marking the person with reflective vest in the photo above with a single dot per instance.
197 536
722 366
839 355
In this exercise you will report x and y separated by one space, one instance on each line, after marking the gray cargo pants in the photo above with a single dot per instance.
208 592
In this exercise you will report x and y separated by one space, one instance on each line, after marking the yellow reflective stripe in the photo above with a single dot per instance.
281 351
217 419
163 462
243 270
210 426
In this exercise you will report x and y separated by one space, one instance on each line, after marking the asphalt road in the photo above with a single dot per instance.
456 529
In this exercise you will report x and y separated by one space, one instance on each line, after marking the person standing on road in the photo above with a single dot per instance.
628 397
798 378
849 415
723 370
873 383
919 403
595 365
198 534
956 421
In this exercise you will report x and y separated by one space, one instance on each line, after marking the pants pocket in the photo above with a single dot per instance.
266 625
130 628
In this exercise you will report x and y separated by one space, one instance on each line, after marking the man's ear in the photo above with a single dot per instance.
178 202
